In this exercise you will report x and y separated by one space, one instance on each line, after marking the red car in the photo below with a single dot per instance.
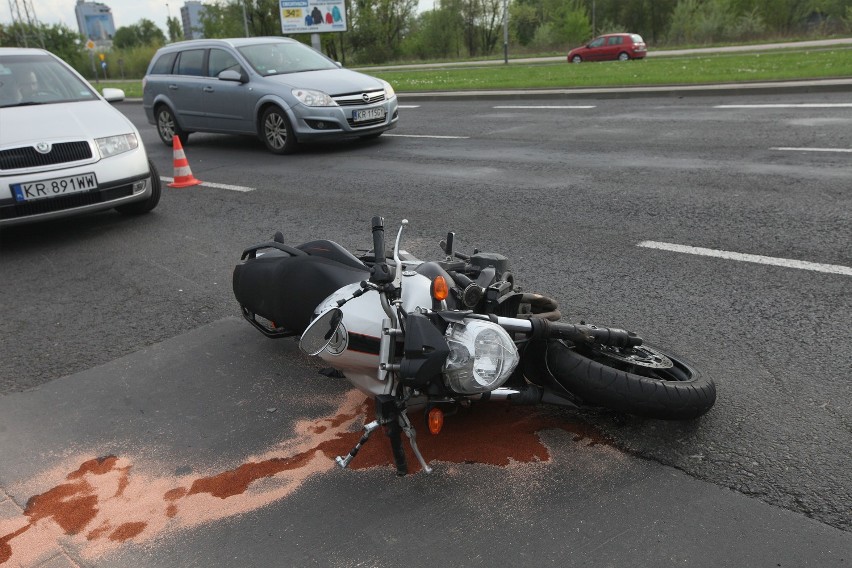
610 47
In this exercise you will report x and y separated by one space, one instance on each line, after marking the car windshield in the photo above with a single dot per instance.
279 58
36 79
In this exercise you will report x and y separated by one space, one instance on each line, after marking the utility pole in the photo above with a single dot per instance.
23 14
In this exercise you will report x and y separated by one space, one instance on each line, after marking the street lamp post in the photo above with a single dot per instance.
245 18
506 32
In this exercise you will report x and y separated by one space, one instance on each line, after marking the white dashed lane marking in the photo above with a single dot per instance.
785 262
842 150
790 105
558 107
426 136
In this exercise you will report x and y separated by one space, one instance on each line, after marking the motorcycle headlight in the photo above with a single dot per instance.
482 357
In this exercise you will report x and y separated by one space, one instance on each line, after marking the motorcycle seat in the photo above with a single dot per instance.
332 251
286 289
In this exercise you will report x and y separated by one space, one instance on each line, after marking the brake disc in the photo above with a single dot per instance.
642 356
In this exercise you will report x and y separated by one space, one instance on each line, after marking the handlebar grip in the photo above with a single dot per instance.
379 239
611 336
380 273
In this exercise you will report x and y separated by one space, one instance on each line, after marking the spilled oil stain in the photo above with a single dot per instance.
104 503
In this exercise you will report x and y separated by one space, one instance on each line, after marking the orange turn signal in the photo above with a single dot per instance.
440 290
436 419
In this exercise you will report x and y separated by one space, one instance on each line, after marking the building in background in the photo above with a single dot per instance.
191 13
95 22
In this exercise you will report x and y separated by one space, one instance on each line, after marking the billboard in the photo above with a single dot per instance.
312 16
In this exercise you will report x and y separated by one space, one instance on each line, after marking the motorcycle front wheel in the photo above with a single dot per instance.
645 380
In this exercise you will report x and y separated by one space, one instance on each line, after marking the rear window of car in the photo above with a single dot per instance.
190 62
163 64
637 38
615 40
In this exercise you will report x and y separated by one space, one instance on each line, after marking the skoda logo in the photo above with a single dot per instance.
366 97
43 148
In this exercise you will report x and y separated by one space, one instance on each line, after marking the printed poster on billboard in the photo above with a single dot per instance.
312 16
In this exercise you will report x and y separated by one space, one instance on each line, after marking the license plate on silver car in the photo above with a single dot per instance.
368 114
55 187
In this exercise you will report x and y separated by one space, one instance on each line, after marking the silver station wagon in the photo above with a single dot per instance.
276 88
64 149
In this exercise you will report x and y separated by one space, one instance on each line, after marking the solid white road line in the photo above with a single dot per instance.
426 136
239 188
785 262
547 106
791 105
408 106
847 150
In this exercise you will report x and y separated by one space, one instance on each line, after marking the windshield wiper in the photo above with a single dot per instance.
28 103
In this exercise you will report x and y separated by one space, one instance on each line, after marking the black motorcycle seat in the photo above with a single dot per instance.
287 289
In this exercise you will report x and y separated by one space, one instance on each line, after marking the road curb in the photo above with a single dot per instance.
774 87
727 89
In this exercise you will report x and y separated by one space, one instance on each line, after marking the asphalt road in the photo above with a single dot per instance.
568 193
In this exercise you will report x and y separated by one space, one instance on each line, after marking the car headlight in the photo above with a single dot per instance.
114 145
313 98
482 356
389 92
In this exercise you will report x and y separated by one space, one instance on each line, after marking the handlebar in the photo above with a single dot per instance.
540 328
380 273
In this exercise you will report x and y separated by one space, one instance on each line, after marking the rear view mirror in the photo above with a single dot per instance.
113 95
231 75
321 332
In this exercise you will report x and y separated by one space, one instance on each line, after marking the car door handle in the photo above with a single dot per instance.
208 89
173 87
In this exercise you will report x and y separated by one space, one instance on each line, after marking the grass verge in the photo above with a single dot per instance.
686 70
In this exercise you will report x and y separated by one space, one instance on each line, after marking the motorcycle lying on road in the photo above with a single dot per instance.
432 336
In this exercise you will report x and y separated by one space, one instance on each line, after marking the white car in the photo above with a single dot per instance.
64 149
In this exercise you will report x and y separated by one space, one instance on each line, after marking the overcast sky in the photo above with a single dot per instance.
124 12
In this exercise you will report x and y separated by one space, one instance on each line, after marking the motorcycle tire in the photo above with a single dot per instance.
678 392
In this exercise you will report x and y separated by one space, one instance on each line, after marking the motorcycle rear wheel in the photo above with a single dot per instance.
647 382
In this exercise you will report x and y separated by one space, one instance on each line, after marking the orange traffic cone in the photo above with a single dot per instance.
183 175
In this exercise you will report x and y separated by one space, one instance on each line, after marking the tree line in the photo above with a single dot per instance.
381 31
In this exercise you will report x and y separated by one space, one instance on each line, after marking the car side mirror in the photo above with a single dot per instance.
231 75
113 95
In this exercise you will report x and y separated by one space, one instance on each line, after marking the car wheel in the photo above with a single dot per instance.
623 56
168 127
141 207
276 132
576 59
